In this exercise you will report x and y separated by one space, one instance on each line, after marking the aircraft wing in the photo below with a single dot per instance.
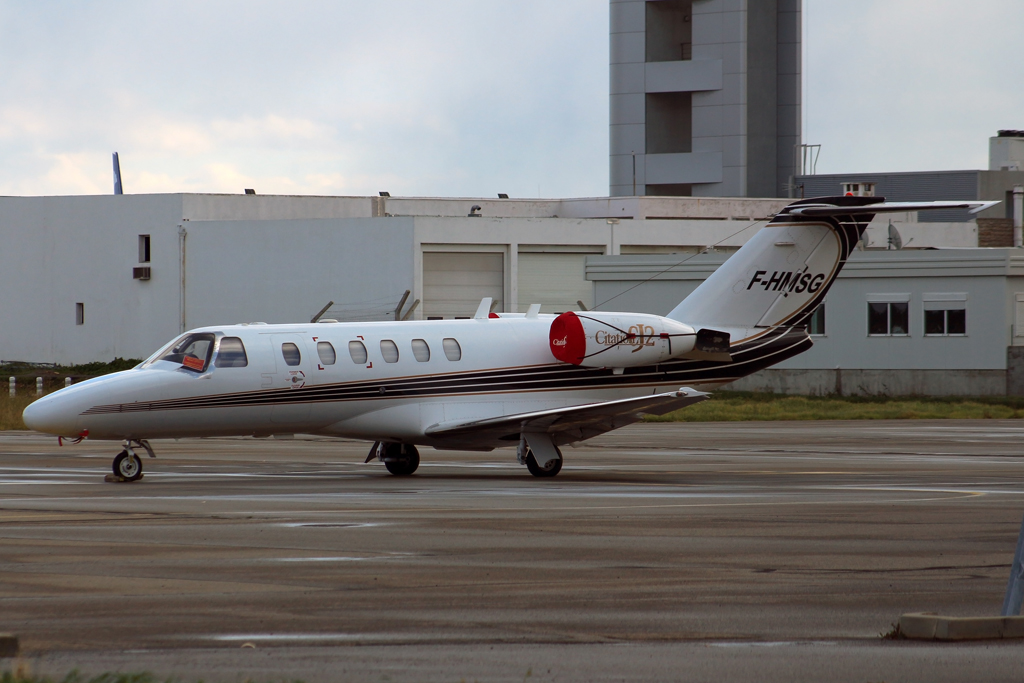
565 425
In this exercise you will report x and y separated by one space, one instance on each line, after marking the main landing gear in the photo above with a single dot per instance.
127 465
401 459
540 454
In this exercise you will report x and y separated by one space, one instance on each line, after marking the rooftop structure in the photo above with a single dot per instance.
705 97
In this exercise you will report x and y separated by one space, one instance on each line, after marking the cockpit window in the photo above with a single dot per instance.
231 353
192 351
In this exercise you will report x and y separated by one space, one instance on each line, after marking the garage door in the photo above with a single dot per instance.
454 282
555 281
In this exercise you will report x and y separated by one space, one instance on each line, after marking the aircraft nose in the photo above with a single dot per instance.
51 415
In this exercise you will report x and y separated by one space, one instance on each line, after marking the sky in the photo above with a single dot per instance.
452 98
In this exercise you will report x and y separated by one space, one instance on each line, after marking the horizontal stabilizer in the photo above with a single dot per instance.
884 207
565 425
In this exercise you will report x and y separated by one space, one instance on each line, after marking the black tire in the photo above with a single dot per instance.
401 459
553 468
127 466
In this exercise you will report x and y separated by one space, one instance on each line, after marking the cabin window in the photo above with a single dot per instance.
452 350
389 350
358 352
326 352
193 351
291 353
231 353
889 319
420 350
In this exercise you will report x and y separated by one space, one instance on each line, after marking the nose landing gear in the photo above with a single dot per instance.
127 465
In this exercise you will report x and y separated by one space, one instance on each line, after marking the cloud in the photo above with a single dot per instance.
444 98
457 97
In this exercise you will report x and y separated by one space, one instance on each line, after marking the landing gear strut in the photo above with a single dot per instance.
127 465
401 459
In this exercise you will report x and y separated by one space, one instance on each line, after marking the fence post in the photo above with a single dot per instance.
12 383
39 386
1011 604
67 381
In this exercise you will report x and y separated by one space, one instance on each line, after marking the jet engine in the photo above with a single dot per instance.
618 340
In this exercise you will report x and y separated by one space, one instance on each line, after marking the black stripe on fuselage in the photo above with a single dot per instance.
749 356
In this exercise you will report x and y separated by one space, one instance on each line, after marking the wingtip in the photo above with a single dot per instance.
984 206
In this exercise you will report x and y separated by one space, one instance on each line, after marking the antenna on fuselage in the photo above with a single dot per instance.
322 311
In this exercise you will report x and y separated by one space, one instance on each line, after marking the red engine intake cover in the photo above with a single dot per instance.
568 343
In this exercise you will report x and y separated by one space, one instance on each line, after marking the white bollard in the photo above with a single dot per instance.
39 386
67 381
13 386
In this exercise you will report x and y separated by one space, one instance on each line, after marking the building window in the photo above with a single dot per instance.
326 352
79 314
945 322
389 350
889 319
420 350
231 353
358 352
945 314
452 350
291 354
816 323
143 248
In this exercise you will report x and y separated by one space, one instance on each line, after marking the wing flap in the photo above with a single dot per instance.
565 425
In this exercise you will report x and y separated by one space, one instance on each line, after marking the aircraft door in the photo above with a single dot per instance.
293 360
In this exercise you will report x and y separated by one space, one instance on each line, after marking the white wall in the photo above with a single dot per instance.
57 251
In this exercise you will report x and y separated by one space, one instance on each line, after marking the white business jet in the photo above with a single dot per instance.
532 380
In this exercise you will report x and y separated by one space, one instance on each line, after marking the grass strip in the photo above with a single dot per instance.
22 676
736 406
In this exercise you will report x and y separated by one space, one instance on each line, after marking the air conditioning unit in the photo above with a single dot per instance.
141 273
860 189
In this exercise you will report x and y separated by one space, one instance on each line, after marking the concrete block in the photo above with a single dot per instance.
707 122
626 78
1014 370
929 626
696 167
627 139
8 645
627 48
626 109
629 16
685 76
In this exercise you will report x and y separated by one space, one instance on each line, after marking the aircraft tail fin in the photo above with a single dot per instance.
781 275
117 175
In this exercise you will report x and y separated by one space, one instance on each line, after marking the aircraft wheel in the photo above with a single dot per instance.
401 459
553 468
127 466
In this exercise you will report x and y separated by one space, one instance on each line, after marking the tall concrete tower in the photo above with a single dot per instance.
705 97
